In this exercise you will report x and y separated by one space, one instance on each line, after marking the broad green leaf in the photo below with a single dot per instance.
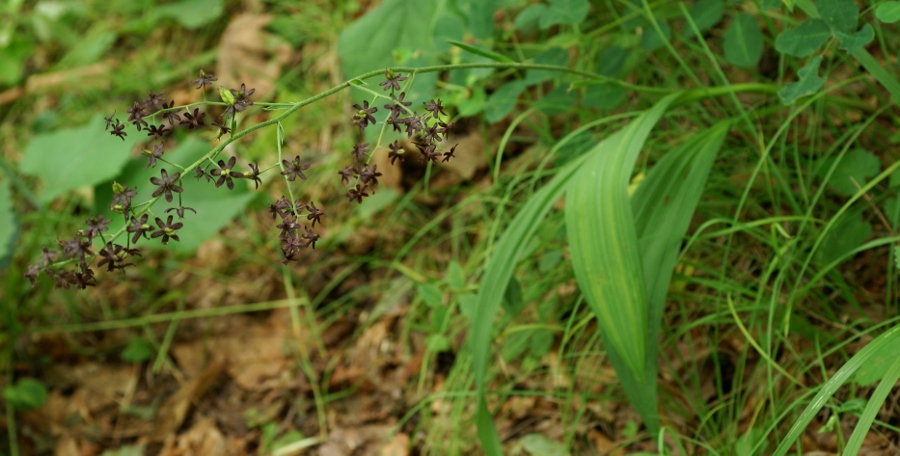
395 25
529 17
804 39
191 14
854 41
9 227
430 294
603 241
707 13
512 298
538 444
503 100
809 83
138 350
743 41
482 52
850 232
215 206
604 96
553 56
891 209
858 165
77 157
26 394
611 61
878 365
840 15
479 15
564 12
888 12
660 201
91 48
455 277
12 58
652 40
827 390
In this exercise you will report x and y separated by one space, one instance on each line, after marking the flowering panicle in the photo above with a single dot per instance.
70 263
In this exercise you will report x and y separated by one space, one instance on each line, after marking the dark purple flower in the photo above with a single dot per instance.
346 174
139 227
157 131
167 230
369 175
136 115
153 156
449 154
123 200
435 108
310 238
315 213
254 175
166 184
204 80
108 120
119 130
363 116
288 225
396 151
359 151
294 169
194 120
356 193
171 114
155 101
392 81
180 210
225 174
95 226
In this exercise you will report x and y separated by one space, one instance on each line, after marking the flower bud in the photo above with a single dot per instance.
226 95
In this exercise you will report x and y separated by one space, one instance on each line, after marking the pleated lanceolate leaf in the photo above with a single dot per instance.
506 255
604 244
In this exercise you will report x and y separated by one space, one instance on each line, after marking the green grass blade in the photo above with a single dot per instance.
497 276
872 408
604 243
832 385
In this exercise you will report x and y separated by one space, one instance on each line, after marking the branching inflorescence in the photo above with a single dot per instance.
425 131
